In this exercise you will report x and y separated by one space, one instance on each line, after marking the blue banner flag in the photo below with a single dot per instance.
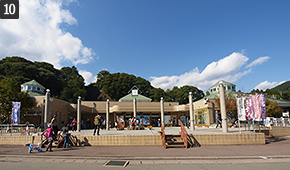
16 113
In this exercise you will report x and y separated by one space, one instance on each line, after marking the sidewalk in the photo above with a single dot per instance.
278 148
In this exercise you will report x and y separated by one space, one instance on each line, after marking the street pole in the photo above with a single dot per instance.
223 108
192 127
162 112
46 111
107 114
79 115
135 107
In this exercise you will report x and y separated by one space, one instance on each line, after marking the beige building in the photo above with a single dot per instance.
122 109
205 110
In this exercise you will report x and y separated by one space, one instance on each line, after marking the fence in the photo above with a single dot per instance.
270 121
17 130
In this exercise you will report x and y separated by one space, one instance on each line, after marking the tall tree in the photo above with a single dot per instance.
117 85
74 85
231 104
181 94
157 93
10 92
272 109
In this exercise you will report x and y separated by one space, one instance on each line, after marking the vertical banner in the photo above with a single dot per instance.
256 101
249 108
263 106
16 113
241 108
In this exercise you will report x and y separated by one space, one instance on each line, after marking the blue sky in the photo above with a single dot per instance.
168 42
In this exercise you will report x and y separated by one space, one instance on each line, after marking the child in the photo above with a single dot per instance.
48 135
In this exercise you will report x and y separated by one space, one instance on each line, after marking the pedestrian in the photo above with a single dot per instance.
48 135
65 135
104 124
187 122
218 121
174 122
82 124
88 123
133 123
141 121
54 125
97 123
74 124
233 122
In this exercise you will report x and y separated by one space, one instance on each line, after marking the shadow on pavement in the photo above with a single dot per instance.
273 139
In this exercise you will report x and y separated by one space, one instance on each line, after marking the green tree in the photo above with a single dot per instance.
286 95
22 70
181 94
157 93
10 92
272 109
73 85
117 85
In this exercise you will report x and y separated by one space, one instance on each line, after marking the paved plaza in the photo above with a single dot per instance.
274 149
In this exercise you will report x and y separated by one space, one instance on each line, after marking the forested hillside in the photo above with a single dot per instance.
283 87
67 84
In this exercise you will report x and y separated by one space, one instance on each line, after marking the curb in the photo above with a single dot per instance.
152 158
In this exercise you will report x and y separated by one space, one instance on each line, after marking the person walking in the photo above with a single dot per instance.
54 124
74 124
65 135
88 123
48 135
218 122
97 123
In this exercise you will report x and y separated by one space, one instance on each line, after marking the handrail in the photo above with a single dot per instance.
163 136
183 134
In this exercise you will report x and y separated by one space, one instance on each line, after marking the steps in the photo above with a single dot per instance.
174 141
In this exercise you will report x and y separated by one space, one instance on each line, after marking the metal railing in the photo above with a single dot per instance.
183 134
18 130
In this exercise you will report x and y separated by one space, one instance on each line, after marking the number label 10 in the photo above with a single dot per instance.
9 9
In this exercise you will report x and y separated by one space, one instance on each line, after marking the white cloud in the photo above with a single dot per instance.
88 76
258 61
37 35
267 85
226 69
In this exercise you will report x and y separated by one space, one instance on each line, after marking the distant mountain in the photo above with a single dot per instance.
282 87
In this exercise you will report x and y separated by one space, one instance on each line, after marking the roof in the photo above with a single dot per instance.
34 83
139 97
224 83
215 94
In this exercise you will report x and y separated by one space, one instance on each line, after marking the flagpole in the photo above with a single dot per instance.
254 125
239 127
